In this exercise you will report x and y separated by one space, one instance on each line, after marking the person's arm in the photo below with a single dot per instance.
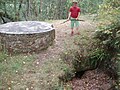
69 15
78 16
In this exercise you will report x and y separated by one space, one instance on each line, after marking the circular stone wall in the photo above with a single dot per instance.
26 36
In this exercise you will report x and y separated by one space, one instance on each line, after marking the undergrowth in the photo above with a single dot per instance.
12 67
101 53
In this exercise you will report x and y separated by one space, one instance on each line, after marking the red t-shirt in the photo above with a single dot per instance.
74 11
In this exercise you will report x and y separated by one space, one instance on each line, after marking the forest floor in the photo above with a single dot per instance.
41 71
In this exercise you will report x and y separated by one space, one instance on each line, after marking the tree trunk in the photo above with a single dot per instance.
28 7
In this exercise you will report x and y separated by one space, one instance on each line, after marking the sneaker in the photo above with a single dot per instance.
72 33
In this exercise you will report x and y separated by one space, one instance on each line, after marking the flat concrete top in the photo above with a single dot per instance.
25 27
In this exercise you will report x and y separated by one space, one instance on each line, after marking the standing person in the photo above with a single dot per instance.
74 13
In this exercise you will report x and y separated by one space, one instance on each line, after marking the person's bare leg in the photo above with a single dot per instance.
77 29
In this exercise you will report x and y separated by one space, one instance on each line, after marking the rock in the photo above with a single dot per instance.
26 36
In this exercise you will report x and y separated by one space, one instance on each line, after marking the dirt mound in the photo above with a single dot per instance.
92 80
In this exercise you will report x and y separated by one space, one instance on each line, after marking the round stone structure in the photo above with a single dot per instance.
26 36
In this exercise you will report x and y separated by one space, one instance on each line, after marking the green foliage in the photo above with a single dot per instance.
3 56
82 62
109 11
11 67
17 10
79 61
35 9
90 6
108 34
13 64
108 31
67 75
97 57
